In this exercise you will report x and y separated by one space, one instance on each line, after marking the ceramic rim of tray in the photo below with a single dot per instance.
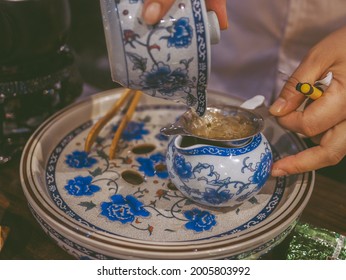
292 193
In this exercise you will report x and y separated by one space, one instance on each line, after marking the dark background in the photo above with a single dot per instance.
88 41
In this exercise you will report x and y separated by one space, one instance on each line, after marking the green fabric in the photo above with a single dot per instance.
313 243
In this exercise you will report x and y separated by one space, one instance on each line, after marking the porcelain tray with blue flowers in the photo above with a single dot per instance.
131 197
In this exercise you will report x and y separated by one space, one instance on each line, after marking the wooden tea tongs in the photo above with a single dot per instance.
132 97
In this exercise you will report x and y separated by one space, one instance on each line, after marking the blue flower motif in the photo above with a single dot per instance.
81 186
181 37
158 158
154 165
199 220
165 81
79 159
215 197
182 168
133 131
124 210
263 171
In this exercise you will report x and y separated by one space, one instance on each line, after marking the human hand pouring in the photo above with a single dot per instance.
169 60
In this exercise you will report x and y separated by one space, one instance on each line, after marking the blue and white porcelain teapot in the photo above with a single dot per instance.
169 60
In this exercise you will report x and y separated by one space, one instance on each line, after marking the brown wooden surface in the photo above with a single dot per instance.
326 209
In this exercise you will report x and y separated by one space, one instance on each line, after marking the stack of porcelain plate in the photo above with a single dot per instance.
127 208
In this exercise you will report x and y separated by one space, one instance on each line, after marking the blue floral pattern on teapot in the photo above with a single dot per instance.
169 60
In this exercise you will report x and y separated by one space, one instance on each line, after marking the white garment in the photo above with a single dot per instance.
266 40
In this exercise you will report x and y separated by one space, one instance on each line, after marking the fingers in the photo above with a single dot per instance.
219 7
327 55
331 151
154 10
319 116
290 99
325 116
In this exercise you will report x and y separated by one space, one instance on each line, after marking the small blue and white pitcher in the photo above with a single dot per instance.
219 173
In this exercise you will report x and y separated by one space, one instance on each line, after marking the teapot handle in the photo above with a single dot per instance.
214 28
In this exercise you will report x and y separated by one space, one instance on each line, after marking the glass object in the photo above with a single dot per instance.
38 75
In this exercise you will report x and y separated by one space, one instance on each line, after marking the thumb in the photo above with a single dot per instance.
219 7
290 99
154 10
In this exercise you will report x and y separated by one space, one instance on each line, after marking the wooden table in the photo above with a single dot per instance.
26 240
